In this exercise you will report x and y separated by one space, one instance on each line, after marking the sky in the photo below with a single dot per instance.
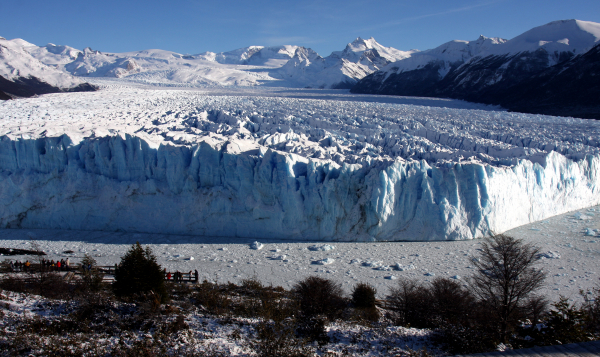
196 26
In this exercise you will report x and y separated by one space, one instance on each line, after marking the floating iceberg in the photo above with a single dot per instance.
324 247
549 255
401 267
325 261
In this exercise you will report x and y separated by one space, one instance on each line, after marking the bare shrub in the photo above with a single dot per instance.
451 303
252 286
363 300
319 296
363 296
91 276
13 283
505 279
51 286
565 323
410 303
591 306
535 310
461 339
312 328
210 296
279 339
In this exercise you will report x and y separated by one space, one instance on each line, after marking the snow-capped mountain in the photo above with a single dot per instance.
160 67
341 69
22 75
51 54
157 66
291 66
483 69
275 56
571 88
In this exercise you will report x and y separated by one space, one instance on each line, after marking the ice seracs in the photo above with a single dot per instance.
184 162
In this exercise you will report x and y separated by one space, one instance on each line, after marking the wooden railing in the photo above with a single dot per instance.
190 277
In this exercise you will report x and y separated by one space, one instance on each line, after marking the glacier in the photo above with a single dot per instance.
187 162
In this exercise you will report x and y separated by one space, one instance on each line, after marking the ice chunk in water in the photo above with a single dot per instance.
372 264
549 255
401 267
280 257
324 247
325 261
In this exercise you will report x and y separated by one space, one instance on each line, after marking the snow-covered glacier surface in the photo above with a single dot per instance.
303 165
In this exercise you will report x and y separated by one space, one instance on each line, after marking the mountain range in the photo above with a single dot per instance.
550 69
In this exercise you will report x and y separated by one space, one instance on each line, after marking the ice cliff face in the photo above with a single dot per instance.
187 163
122 183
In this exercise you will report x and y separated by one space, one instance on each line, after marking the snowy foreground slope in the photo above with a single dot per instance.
188 162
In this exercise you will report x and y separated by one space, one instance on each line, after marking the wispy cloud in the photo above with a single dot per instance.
433 14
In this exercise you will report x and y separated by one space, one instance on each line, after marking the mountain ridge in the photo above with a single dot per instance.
485 70
22 75
488 74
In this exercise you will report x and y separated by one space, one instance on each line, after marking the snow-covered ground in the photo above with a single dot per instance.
197 333
569 243
288 164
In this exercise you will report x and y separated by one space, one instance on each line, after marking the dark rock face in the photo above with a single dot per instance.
571 88
525 82
30 86
422 82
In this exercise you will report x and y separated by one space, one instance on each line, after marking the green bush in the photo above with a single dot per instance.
139 273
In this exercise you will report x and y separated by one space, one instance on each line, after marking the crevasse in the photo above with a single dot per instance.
123 183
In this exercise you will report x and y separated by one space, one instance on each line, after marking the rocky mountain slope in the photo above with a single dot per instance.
21 75
492 70
287 66
341 69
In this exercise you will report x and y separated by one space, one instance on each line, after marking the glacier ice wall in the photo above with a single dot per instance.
122 182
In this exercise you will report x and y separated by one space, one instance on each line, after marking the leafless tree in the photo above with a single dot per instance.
506 278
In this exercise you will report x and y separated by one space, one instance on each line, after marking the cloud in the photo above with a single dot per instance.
434 14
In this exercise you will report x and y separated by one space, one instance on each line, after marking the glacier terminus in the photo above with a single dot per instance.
287 164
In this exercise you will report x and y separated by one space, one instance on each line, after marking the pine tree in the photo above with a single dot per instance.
139 272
